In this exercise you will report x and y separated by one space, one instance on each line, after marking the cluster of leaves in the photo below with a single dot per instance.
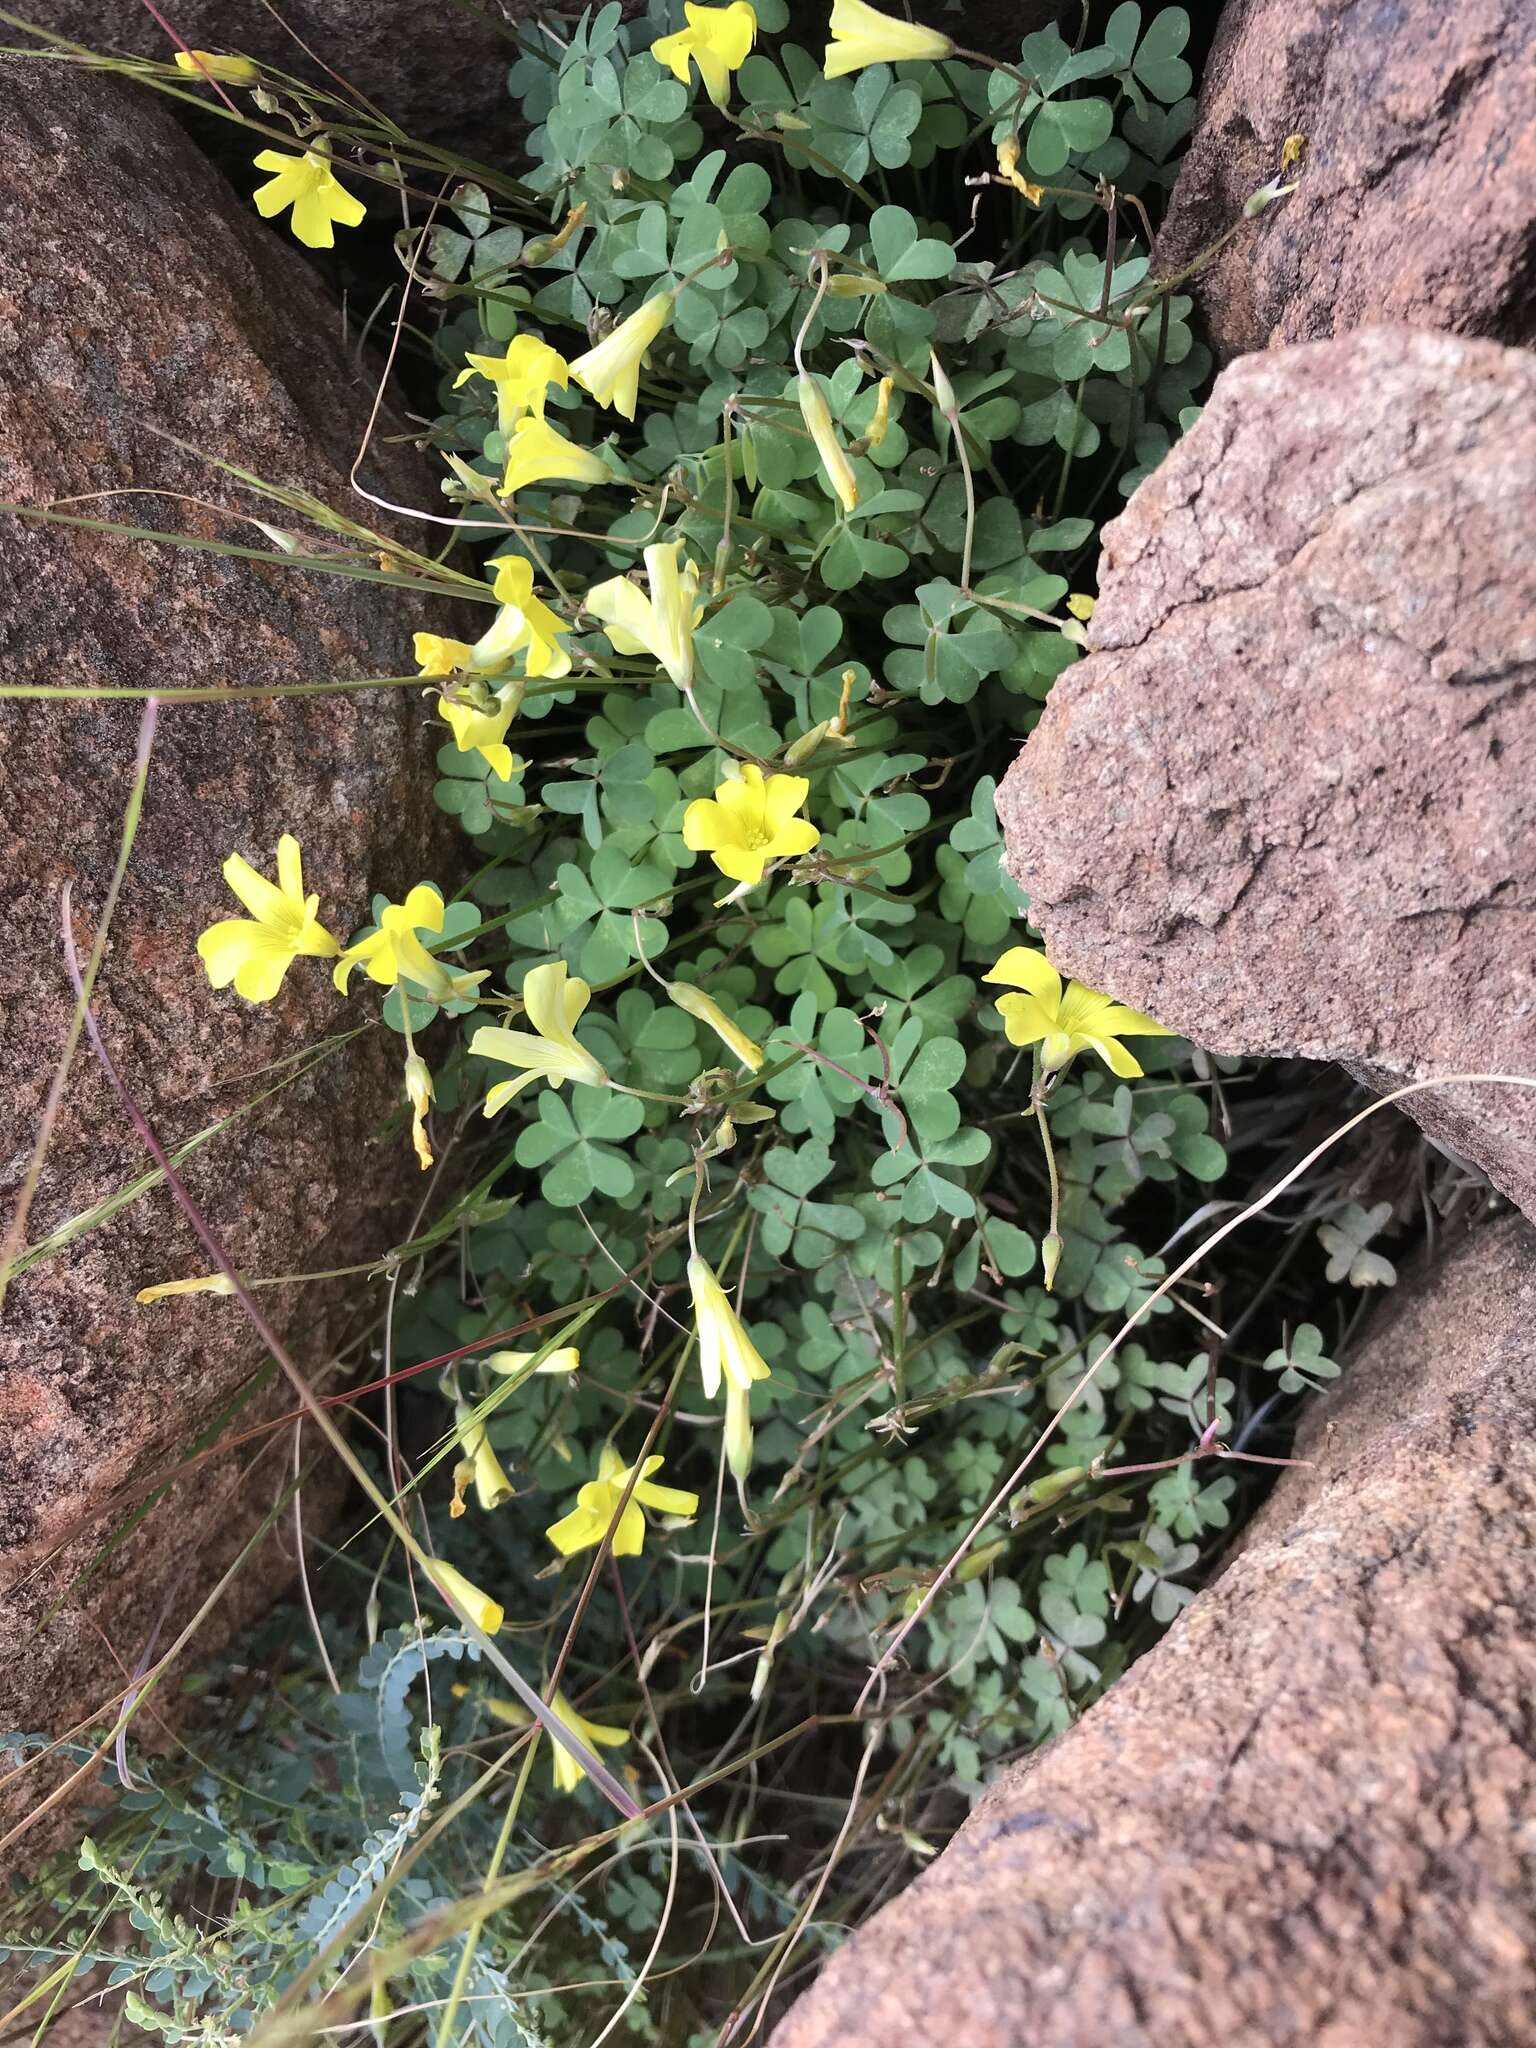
878 1190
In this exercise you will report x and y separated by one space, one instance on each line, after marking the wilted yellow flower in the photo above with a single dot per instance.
481 1464
565 1360
307 184
255 956
724 1346
227 70
597 1505
718 39
738 1429
525 625
568 1774
876 431
462 1593
708 1011
611 370
836 467
660 625
549 1052
418 1093
538 454
862 35
749 822
393 952
1009 173
1063 1025
1080 605
202 1283
522 377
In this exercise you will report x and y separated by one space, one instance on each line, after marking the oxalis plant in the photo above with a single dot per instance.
778 1194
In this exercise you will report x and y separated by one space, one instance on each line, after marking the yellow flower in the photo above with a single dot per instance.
255 956
436 656
228 70
492 1486
611 370
418 1093
597 1505
462 1593
876 431
1063 1025
660 625
203 1283
565 1360
724 1345
834 459
749 822
709 1012
549 1052
738 1429
568 1774
522 377
393 951
718 40
483 731
862 35
525 625
538 454
308 185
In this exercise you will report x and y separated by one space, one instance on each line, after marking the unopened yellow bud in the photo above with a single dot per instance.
464 1596
1080 605
852 284
802 749
708 1011
738 1428
1051 1249
492 1486
204 1283
882 416
227 70
834 461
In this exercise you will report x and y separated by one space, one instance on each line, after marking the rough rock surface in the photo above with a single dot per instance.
1304 1819
431 65
137 296
1417 199
1288 804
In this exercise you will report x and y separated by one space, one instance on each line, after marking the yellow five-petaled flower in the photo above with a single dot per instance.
549 1052
862 35
750 821
254 953
1062 1025
660 624
522 377
393 952
718 39
610 370
597 1508
307 184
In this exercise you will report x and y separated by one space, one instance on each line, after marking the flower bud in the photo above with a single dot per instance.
738 1428
834 461
228 70
708 1011
1051 1249
204 1283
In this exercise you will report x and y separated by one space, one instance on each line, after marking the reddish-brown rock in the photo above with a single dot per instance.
1303 1820
1288 803
138 297
1417 199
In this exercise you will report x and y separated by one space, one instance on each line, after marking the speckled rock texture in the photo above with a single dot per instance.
1304 1819
431 65
137 296
1288 803
1417 199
